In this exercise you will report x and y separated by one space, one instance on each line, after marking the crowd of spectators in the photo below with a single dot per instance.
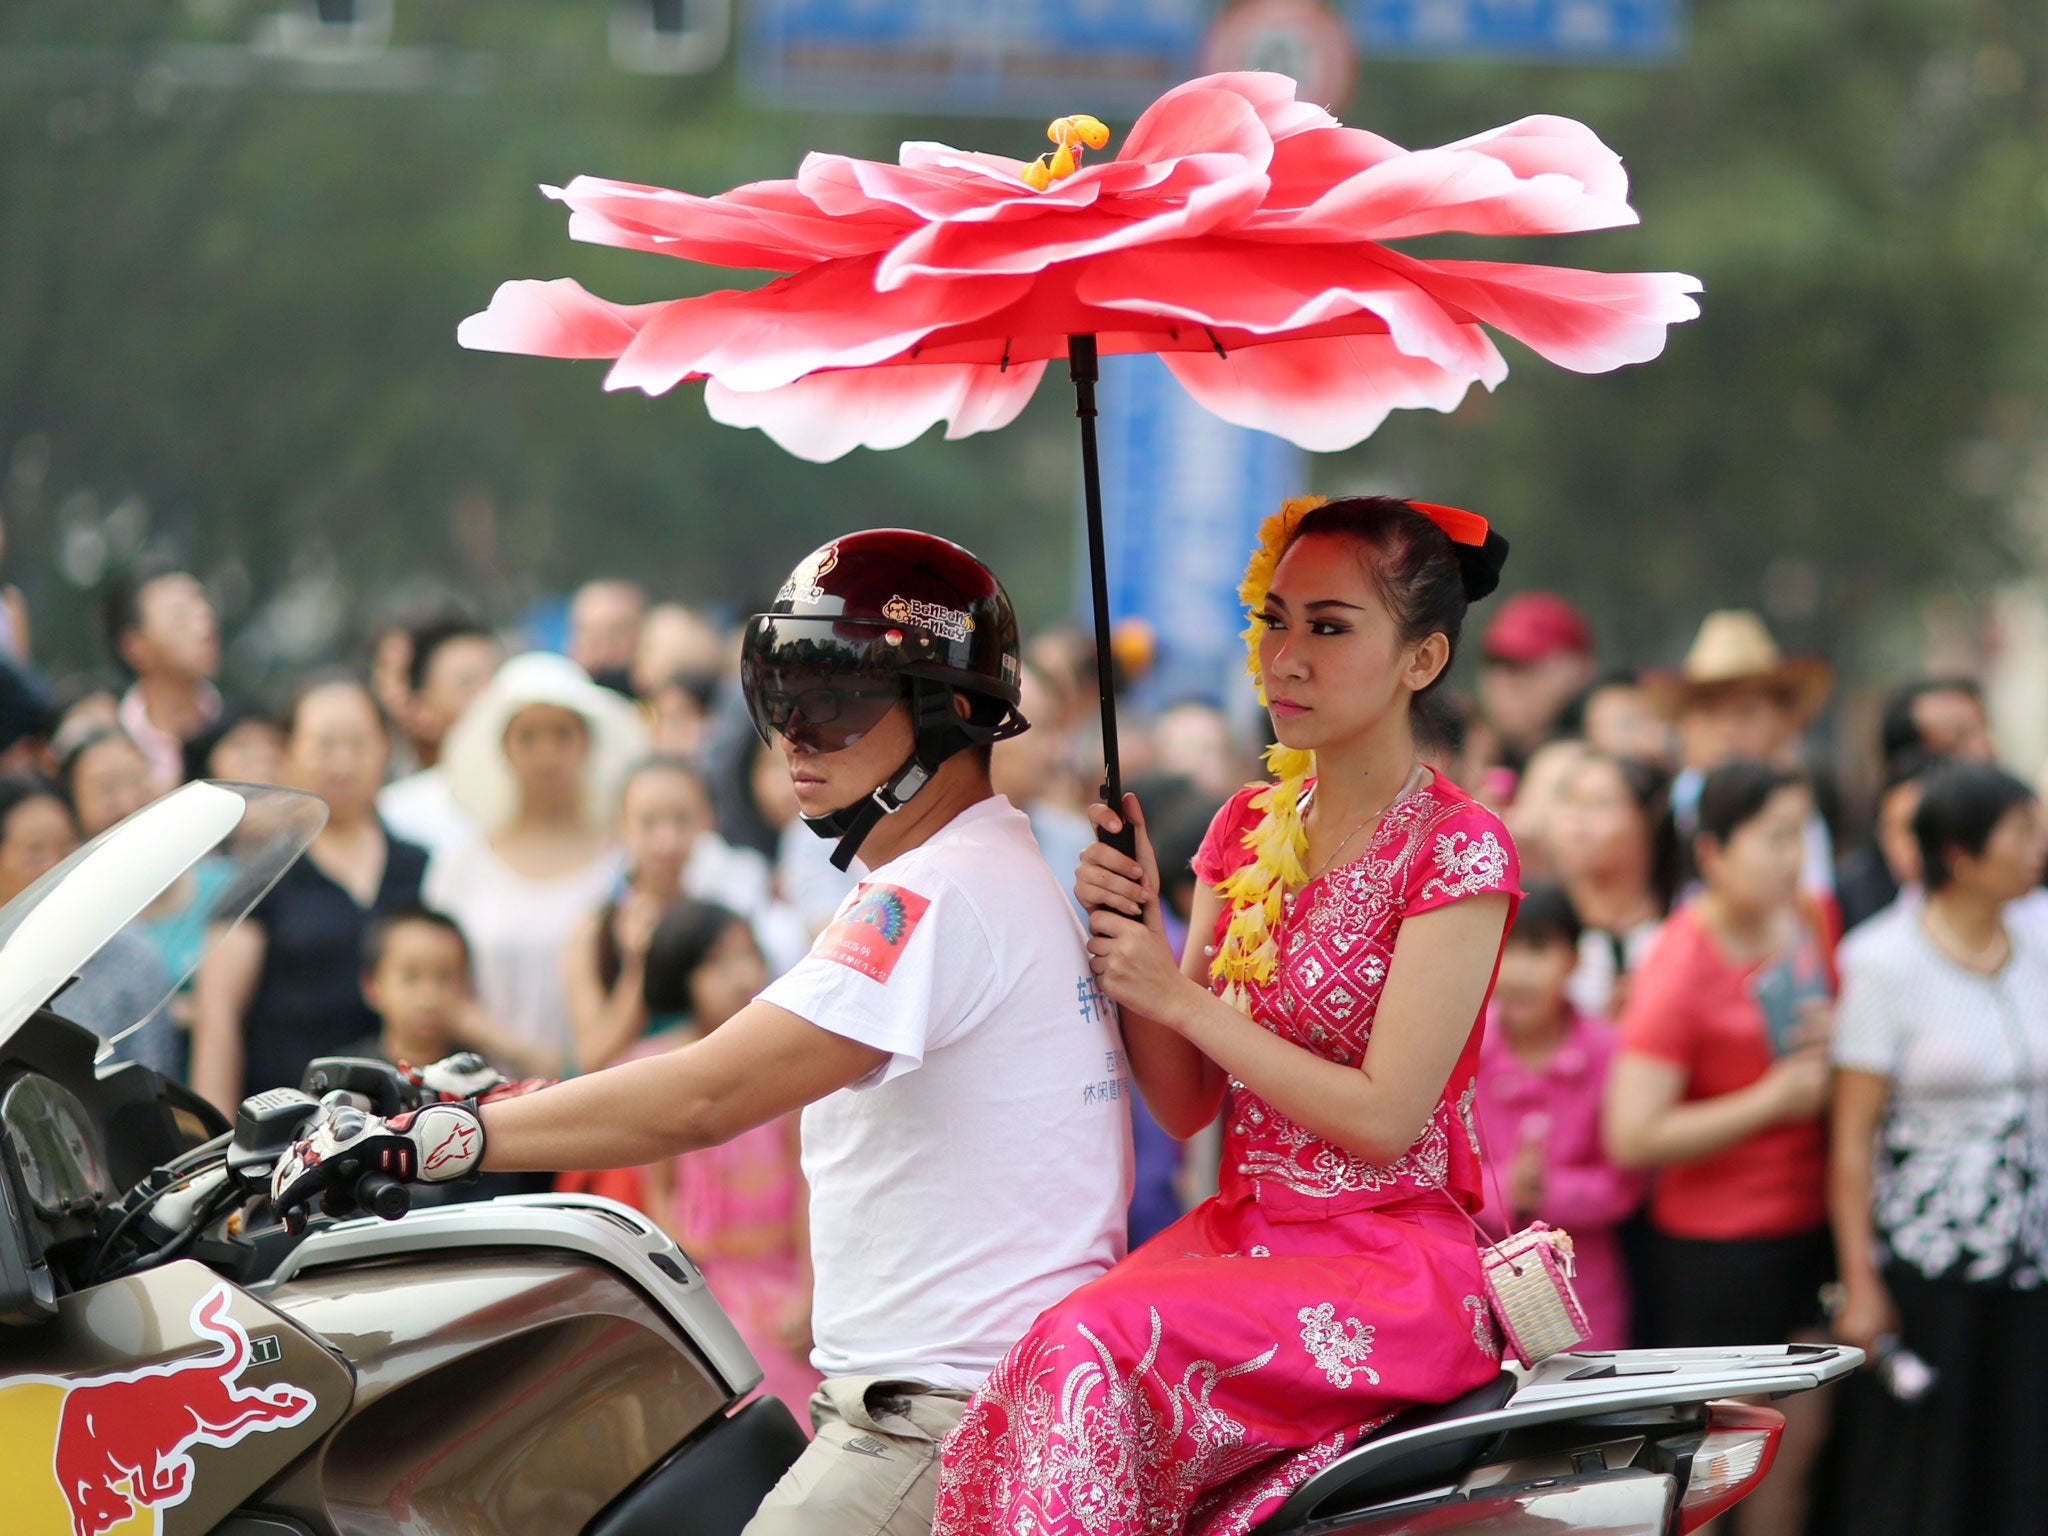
1776 1065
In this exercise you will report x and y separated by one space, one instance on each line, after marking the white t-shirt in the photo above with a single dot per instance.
983 1171
516 928
421 809
1599 969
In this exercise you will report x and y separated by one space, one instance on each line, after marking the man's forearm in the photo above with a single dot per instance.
635 1113
757 1066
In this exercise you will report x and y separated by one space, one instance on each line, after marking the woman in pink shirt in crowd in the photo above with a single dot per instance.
1542 1069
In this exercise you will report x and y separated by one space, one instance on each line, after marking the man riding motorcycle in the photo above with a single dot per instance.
965 1132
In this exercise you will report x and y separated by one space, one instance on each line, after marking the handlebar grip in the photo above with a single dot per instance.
382 1195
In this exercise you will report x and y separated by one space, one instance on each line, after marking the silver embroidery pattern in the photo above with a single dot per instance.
1469 867
1339 1350
1337 945
1484 1334
1465 1113
1098 1450
1303 1162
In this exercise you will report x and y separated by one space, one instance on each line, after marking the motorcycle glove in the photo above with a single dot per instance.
433 1144
466 1075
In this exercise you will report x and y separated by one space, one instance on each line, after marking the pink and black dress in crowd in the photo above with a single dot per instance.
1315 1296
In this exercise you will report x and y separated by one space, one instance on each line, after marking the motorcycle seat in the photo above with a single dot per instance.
1378 1477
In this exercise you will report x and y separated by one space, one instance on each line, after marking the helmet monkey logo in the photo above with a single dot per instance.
947 622
802 586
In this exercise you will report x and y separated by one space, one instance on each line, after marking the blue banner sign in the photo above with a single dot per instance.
1032 57
1558 30
1182 495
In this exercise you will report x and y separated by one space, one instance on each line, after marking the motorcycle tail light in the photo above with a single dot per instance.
1740 1445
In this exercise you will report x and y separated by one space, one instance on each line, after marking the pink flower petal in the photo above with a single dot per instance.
827 317
1194 120
825 415
923 155
1200 193
1270 95
1247 286
842 186
1308 165
1543 145
1434 191
767 224
554 319
1589 322
1325 394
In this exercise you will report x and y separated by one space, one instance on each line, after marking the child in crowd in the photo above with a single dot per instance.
739 1209
1542 1070
416 979
664 810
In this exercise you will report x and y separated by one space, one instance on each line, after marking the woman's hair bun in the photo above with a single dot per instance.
1480 565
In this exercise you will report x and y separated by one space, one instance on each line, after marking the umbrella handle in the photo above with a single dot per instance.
1082 368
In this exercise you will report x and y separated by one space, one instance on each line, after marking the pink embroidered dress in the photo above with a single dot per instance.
1247 1346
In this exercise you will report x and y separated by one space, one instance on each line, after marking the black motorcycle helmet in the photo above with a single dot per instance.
875 618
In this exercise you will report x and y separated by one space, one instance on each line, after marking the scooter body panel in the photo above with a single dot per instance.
614 1235
1630 1502
1584 1388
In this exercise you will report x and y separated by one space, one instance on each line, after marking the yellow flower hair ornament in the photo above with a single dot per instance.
1257 893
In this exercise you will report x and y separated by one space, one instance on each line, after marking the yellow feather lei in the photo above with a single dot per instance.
1257 893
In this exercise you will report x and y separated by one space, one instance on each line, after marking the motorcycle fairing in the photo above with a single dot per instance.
155 1404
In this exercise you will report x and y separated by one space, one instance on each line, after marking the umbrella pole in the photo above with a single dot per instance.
1082 368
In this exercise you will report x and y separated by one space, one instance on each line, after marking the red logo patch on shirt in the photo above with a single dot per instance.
869 936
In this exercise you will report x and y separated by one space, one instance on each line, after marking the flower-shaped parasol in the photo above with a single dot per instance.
1237 231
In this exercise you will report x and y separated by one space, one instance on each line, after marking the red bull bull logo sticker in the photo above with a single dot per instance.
106 1455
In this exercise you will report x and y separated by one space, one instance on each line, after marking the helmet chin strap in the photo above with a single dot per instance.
939 733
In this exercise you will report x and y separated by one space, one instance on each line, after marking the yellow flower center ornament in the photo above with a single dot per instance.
1257 892
1073 135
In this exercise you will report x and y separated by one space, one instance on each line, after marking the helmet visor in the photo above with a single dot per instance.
820 684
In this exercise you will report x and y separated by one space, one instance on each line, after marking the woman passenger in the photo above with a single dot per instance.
1352 916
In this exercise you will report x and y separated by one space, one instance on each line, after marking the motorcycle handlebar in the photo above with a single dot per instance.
382 1195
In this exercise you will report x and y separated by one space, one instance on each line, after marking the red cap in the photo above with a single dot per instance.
1532 625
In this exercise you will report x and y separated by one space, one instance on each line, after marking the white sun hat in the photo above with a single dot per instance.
473 757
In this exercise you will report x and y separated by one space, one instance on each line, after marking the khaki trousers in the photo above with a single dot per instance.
873 1469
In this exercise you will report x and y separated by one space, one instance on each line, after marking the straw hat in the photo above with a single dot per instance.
473 758
1734 647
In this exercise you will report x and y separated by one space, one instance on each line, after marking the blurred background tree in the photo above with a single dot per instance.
227 319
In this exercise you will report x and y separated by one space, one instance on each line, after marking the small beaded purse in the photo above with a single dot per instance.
1529 1289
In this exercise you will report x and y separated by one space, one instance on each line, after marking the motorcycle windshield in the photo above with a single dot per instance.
120 926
